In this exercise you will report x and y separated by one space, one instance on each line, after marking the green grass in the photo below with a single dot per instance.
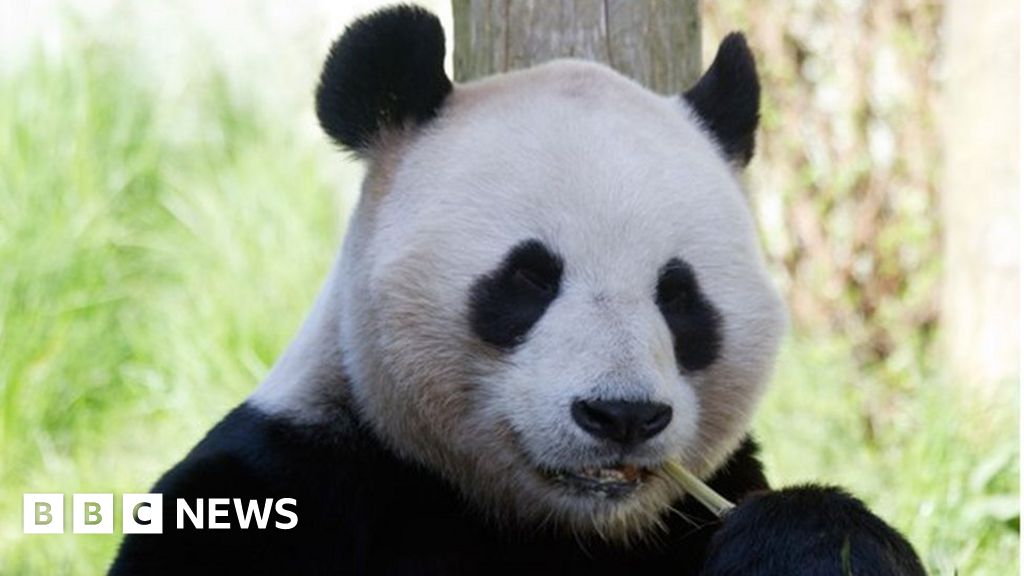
150 276
940 465
156 255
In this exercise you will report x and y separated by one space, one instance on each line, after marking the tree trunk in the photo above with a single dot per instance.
655 42
981 206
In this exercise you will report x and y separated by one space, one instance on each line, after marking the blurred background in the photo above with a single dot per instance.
169 207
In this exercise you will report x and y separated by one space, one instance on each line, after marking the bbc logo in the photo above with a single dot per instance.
92 513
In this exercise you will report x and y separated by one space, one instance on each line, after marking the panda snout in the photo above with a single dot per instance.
625 422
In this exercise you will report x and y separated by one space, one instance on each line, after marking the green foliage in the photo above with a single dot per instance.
940 466
149 277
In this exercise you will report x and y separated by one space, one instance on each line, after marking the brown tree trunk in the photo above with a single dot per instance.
655 42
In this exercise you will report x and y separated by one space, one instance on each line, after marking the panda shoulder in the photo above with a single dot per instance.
257 453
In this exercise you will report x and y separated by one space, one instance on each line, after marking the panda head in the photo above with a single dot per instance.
551 284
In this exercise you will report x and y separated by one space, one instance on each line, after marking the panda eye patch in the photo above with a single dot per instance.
695 324
541 280
508 301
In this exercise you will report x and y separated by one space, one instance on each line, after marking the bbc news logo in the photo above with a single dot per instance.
144 513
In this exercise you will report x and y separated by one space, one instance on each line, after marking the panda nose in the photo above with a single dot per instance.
622 421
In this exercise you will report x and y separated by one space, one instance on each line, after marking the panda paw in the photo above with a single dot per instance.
808 530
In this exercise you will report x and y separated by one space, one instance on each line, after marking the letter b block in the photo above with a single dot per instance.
92 514
43 513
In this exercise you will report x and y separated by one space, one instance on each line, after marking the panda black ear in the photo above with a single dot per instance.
727 99
386 71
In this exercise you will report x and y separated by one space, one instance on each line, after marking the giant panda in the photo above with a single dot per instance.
550 286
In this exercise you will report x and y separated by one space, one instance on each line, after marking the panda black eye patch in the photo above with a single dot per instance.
507 302
695 325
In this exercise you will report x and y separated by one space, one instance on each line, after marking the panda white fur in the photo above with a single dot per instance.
550 286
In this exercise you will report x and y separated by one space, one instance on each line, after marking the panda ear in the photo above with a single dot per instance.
385 72
727 99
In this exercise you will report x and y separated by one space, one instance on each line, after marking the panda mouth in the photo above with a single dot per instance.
616 481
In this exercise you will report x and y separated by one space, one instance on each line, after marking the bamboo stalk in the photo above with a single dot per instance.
693 486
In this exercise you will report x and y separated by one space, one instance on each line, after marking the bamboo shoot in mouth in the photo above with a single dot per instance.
693 486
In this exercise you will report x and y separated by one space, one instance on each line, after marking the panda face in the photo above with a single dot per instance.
551 289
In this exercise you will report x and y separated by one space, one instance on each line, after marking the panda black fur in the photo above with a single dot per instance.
499 325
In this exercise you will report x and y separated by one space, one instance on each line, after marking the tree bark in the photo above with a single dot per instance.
981 203
655 42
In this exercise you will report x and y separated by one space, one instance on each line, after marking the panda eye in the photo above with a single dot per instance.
535 280
694 322
674 288
675 299
506 303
